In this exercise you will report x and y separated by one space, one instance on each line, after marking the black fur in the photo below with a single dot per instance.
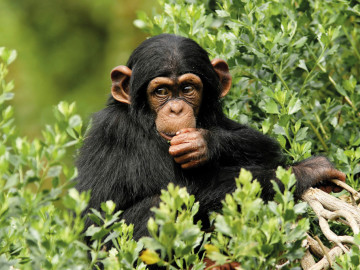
125 160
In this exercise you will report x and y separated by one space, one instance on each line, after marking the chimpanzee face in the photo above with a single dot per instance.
173 78
176 102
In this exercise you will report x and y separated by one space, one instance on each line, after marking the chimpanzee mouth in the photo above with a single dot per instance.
167 136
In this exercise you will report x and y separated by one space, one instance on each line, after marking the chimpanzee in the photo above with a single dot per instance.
164 123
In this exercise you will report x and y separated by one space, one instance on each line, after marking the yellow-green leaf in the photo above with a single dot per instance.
211 248
149 256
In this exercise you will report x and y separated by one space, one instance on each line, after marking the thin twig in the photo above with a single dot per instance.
323 248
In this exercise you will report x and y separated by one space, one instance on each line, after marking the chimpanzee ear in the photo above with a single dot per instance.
120 88
222 70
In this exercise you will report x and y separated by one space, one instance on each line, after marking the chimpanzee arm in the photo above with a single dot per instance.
238 145
230 144
234 144
316 171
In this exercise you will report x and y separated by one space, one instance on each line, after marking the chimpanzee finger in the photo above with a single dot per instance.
193 163
337 189
185 137
335 174
192 156
186 158
329 189
179 149
326 189
185 148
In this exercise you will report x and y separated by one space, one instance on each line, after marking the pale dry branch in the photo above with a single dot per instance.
326 208
307 261
316 248
324 263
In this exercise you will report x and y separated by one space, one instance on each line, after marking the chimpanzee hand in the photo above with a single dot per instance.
316 171
189 147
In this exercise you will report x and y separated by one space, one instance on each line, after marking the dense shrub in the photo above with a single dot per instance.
296 67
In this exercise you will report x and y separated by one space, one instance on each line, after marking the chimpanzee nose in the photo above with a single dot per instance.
176 107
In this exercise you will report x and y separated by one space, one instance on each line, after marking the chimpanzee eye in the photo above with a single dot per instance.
161 91
188 89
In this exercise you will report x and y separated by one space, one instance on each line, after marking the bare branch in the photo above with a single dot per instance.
307 261
326 208
315 247
324 263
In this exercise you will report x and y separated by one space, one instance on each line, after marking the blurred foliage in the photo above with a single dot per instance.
67 50
33 231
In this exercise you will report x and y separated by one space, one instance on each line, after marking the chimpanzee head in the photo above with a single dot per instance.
172 78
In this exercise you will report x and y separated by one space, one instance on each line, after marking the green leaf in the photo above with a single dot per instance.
289 215
222 13
340 155
341 90
191 234
108 207
350 84
266 125
294 105
140 24
12 181
301 134
298 44
55 182
282 141
96 233
75 121
54 171
222 226
152 226
12 56
279 130
6 96
302 65
271 107
63 107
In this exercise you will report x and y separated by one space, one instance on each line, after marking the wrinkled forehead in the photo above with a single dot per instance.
167 56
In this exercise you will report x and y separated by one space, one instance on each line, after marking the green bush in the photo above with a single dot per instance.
296 67
35 233
42 229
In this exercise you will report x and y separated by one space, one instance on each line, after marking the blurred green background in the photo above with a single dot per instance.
66 50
